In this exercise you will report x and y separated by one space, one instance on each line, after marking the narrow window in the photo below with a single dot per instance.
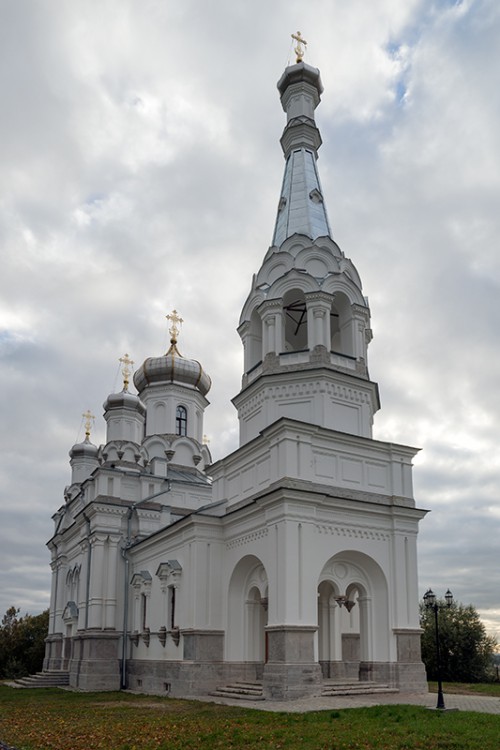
181 421
171 607
144 602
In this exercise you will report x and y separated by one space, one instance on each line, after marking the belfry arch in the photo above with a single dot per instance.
341 326
295 321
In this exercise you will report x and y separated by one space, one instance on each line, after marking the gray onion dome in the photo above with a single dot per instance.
172 368
84 450
124 400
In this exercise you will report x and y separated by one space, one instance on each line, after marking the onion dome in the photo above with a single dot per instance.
85 449
124 400
84 456
172 367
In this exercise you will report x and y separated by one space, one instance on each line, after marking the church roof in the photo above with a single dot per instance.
172 368
301 208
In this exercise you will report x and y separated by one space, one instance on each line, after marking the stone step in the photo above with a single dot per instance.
349 687
42 680
240 691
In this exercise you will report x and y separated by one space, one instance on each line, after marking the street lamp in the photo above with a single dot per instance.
431 603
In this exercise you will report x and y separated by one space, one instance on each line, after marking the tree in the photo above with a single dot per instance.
466 649
22 643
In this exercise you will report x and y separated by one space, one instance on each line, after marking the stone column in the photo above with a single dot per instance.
272 324
361 323
53 594
365 628
95 619
111 593
291 670
319 305
60 598
82 603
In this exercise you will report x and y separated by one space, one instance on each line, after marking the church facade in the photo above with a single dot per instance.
291 562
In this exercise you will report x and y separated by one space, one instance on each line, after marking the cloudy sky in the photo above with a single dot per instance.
141 171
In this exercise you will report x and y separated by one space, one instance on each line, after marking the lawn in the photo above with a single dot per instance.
468 688
62 720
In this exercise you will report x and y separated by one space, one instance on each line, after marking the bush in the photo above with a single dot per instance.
22 643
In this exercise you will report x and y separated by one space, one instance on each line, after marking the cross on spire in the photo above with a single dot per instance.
300 48
127 363
176 322
89 418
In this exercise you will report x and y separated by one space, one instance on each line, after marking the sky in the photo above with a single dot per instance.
141 170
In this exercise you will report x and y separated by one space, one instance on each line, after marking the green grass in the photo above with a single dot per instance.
468 688
62 720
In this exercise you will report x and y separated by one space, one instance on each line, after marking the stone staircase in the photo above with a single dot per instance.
246 691
42 680
252 691
354 687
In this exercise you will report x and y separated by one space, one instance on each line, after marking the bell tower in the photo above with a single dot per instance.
305 326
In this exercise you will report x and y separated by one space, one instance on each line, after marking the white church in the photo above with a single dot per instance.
289 566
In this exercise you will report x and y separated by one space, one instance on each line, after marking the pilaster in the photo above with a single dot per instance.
291 670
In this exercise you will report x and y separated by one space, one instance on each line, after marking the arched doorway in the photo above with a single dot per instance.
247 612
256 621
352 615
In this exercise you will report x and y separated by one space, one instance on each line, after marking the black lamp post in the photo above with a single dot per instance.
431 603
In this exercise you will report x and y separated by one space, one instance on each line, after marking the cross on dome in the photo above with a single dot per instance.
89 418
300 48
174 329
127 363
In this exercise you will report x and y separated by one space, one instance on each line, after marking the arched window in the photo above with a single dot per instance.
295 313
181 419
342 326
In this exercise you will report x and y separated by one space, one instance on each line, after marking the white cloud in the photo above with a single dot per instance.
141 171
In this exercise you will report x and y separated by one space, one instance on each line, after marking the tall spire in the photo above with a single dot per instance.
301 207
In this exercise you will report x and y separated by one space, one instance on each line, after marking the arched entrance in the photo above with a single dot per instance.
352 615
247 612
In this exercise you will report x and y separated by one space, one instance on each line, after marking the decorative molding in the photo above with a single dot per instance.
162 635
169 571
352 532
300 389
246 538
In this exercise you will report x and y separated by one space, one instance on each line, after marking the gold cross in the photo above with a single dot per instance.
300 48
127 363
88 417
176 322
